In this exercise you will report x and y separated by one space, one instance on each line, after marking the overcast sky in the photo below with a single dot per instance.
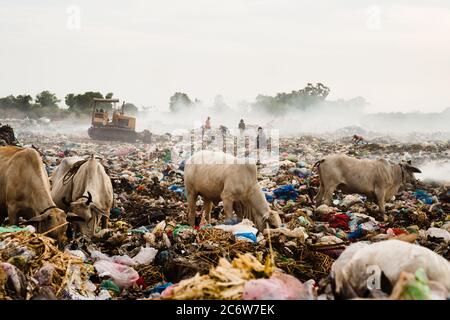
396 54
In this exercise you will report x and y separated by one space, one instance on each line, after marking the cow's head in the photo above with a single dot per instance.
272 218
49 219
84 215
408 172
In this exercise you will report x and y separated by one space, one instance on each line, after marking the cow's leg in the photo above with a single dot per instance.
228 207
191 199
319 196
207 207
238 209
381 194
13 215
328 194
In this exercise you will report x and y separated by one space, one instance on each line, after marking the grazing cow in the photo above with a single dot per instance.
83 187
25 192
377 179
219 176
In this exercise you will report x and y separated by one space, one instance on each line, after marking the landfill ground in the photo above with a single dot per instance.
155 255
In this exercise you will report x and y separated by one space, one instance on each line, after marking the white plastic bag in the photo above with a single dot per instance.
123 276
439 233
145 256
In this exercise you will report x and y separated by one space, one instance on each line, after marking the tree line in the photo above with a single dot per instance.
279 104
47 104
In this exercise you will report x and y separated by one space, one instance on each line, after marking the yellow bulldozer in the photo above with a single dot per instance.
120 127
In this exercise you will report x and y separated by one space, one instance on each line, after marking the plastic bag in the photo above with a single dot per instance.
123 276
279 286
78 288
45 275
145 256
244 230
439 233
15 280
350 200
77 253
124 259
17 229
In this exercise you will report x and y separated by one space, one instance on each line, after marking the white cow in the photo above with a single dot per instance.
217 176
83 187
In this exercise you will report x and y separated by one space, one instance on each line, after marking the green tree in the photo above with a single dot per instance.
179 101
23 102
8 102
302 99
47 99
70 101
130 109
82 103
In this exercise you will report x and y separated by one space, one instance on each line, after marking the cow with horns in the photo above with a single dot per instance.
25 192
82 187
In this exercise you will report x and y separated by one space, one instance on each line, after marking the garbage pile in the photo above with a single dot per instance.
149 252
7 137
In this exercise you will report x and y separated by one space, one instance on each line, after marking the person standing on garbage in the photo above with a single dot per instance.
241 126
358 139
206 126
261 142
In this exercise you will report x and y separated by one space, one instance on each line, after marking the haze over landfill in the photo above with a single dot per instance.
394 54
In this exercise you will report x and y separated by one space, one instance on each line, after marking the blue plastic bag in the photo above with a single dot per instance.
286 192
247 235
423 196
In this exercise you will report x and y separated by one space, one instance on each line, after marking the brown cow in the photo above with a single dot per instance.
218 176
25 192
377 179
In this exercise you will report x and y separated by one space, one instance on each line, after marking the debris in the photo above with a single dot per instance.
278 287
226 281
148 250
122 275
7 137
391 257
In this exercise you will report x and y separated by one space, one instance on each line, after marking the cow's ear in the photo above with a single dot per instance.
413 169
39 218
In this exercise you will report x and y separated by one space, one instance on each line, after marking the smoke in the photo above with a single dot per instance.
72 125
324 118
436 171
337 119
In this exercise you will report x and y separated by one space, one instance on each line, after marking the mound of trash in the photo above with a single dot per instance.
7 137
149 252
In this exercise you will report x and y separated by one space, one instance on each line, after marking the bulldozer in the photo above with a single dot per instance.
119 128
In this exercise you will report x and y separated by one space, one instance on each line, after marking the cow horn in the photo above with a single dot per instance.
72 217
89 200
66 203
